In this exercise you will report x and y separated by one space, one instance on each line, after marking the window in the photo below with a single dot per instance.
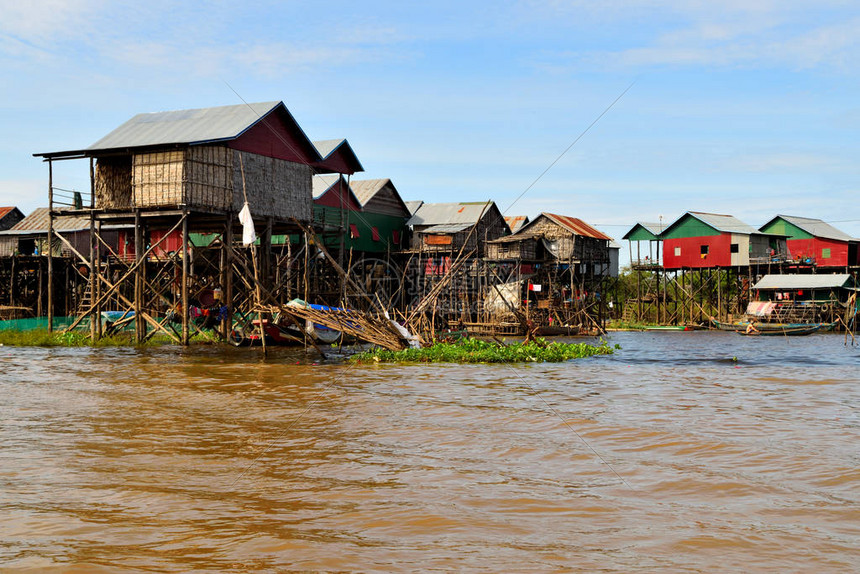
374 232
395 235
353 231
703 250
825 253
735 248
677 252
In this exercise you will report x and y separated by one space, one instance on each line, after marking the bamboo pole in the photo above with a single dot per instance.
184 286
50 242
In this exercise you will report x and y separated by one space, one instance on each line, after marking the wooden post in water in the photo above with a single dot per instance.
185 311
139 278
97 312
227 275
50 251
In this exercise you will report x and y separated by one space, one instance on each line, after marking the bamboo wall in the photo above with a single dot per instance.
208 178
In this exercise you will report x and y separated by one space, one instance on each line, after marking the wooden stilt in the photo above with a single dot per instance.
184 287
50 243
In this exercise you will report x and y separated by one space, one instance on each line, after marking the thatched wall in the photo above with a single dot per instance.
208 178
113 183
274 187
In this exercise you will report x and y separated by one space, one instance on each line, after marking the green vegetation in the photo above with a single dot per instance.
42 338
480 351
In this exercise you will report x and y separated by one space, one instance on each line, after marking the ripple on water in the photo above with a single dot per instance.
682 452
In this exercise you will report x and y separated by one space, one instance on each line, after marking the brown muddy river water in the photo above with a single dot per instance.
667 456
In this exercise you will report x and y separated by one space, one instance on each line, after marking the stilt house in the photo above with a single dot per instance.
815 242
647 251
449 227
699 240
383 215
553 238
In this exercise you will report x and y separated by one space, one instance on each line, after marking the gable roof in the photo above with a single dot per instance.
814 227
653 230
516 222
322 184
37 222
577 226
413 205
445 213
716 221
189 127
366 189
337 151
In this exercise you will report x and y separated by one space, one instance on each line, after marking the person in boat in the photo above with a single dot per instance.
751 329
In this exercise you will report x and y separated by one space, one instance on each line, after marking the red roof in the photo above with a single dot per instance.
577 226
4 211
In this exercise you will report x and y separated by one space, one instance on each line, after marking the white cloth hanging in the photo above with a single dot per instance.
249 234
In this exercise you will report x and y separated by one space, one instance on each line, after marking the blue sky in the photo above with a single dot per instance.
748 108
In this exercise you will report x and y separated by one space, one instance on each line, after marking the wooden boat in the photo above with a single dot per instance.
754 328
796 330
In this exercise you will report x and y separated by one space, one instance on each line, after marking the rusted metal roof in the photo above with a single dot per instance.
577 226
516 222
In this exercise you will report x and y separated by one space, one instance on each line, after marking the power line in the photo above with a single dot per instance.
561 155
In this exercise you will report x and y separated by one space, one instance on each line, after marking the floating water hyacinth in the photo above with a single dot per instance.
481 351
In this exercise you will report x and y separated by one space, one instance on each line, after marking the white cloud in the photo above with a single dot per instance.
796 35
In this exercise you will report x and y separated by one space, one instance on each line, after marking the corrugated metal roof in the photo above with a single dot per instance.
724 223
442 213
326 147
654 229
37 222
814 281
4 211
330 149
516 222
577 226
413 206
185 126
817 227
448 228
365 189
322 183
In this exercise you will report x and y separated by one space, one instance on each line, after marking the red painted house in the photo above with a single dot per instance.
815 242
699 240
